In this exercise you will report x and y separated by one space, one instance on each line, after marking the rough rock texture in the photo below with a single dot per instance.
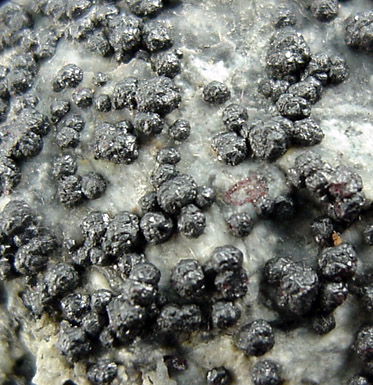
225 41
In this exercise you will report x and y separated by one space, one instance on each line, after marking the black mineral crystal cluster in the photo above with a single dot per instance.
185 192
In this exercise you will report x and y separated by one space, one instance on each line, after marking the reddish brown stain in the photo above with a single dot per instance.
247 190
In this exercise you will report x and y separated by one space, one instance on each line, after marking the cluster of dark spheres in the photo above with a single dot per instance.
201 297
322 10
54 269
120 142
359 34
134 307
68 130
105 29
296 81
177 201
339 188
26 244
296 289
117 142
325 10
72 188
20 138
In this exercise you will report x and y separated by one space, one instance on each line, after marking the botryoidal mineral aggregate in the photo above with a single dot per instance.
173 206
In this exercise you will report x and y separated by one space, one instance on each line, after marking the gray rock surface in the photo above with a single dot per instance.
226 41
